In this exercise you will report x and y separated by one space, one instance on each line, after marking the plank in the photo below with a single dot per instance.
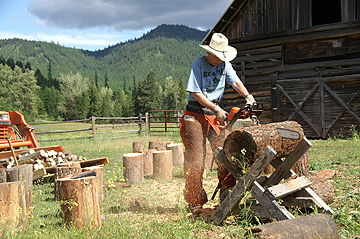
277 211
94 162
39 173
308 192
284 189
244 183
219 153
283 169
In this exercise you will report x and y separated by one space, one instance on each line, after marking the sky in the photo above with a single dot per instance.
96 24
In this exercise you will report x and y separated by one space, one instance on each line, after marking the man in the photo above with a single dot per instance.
206 86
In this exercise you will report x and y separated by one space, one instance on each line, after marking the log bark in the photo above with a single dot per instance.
80 201
23 173
313 226
148 161
138 147
2 175
157 144
244 145
65 170
99 178
177 153
12 204
323 188
162 162
133 168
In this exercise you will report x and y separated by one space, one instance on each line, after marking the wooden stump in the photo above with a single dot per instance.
244 145
80 201
64 170
162 164
157 144
2 175
177 153
148 161
12 204
138 147
99 178
23 173
133 168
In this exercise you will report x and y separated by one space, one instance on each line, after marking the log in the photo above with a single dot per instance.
2 175
99 178
138 147
12 204
148 161
80 201
177 153
323 189
157 144
133 168
23 173
244 145
65 170
313 226
162 163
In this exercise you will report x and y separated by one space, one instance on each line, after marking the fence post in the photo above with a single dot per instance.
93 126
147 122
139 124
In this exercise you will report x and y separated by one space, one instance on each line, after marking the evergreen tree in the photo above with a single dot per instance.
51 98
107 105
96 80
28 65
182 95
50 82
20 64
148 94
106 80
82 103
170 98
95 101
10 62
40 79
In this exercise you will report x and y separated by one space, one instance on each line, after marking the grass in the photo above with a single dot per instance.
156 208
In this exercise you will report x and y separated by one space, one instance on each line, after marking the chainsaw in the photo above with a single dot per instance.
248 111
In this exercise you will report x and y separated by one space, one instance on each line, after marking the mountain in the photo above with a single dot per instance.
168 50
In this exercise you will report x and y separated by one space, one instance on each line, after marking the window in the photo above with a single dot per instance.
325 11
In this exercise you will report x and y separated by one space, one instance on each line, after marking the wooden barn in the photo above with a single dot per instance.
301 58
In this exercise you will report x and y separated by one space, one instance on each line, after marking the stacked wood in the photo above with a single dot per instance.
244 145
80 201
177 153
23 173
133 168
99 179
12 204
162 163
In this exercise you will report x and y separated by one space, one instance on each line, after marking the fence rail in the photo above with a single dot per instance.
166 120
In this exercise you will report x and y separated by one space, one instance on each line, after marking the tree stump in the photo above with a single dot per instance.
133 168
2 175
138 147
244 145
157 145
148 161
99 178
23 173
64 170
162 164
177 153
80 201
12 204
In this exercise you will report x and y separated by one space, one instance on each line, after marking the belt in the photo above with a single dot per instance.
196 107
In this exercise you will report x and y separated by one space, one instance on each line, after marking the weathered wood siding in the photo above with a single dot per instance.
300 72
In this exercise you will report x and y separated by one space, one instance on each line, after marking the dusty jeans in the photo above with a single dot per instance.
194 129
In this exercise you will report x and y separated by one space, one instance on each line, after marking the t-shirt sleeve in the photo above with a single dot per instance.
195 78
231 75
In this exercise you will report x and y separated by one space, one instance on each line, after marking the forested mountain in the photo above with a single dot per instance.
168 50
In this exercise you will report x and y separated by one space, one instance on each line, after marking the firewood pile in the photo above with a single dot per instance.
40 159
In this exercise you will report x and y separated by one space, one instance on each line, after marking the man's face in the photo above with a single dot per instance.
213 60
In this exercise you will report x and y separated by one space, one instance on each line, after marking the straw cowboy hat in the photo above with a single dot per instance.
219 46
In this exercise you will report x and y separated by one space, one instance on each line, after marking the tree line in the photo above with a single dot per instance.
72 96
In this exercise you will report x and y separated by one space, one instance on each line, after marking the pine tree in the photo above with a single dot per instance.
82 103
96 80
106 80
95 101
182 95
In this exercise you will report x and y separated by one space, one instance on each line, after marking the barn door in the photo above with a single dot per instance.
323 106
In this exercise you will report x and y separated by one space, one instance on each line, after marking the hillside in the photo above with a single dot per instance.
168 50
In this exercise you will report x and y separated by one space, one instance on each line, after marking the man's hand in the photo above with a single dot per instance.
249 99
220 113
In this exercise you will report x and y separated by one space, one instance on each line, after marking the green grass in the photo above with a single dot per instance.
156 208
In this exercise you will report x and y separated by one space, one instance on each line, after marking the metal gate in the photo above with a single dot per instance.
324 106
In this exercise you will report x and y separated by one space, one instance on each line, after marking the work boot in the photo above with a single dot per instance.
191 208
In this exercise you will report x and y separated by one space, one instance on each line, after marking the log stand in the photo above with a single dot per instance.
267 206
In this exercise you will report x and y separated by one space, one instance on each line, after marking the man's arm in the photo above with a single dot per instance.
201 98
240 88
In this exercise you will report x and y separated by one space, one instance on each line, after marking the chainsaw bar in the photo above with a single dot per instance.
289 134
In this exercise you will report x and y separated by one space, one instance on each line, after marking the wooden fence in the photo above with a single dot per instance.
164 121
133 126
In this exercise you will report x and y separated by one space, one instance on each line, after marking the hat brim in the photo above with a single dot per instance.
229 55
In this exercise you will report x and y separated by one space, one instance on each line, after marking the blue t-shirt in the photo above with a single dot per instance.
210 80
